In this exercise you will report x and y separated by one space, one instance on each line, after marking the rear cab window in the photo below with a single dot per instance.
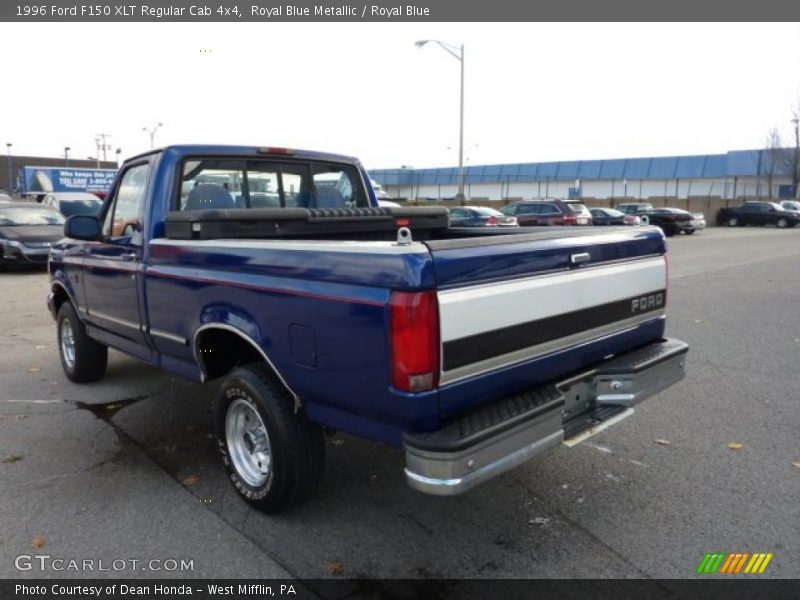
225 183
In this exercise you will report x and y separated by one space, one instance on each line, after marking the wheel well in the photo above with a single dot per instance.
219 351
59 296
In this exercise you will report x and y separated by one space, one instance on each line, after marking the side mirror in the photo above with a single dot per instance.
82 227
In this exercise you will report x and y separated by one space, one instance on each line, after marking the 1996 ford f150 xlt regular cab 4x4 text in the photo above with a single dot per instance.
276 272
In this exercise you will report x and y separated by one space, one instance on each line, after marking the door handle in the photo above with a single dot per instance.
128 256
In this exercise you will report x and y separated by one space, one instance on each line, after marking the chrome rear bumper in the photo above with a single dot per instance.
494 438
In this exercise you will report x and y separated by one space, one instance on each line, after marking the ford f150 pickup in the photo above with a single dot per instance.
276 273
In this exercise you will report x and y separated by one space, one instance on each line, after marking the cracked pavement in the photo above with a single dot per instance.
138 474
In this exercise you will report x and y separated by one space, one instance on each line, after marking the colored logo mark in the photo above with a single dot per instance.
734 562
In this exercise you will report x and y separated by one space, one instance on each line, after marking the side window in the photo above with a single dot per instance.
528 209
549 209
458 213
124 215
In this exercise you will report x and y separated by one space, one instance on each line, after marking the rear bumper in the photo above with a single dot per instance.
494 438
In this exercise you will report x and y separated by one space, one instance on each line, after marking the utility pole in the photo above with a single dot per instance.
796 159
101 139
66 155
10 169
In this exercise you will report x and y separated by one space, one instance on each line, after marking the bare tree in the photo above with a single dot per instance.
787 160
772 157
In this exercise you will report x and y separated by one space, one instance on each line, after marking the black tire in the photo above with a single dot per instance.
296 446
688 231
781 223
89 359
732 222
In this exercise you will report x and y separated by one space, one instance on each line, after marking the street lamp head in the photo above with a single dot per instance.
421 43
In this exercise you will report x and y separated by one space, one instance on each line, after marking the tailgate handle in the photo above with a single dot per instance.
577 259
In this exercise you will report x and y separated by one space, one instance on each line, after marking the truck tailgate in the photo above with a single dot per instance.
517 299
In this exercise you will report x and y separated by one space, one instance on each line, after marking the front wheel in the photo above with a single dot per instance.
733 222
274 455
782 223
82 358
689 231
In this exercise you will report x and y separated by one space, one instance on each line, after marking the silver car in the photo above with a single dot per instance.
698 221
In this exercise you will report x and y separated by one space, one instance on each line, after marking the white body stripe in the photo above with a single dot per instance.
473 310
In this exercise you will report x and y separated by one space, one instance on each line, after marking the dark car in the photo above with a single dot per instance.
548 212
758 213
26 233
612 216
479 216
74 203
670 220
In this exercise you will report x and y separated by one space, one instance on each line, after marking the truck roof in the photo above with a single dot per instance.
181 150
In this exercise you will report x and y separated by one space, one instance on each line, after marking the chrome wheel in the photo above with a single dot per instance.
248 442
67 344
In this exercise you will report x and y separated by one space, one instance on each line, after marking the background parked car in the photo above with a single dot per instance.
548 212
792 205
698 221
758 213
26 233
612 216
670 220
479 216
73 203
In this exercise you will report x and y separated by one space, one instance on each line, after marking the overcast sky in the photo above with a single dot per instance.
534 92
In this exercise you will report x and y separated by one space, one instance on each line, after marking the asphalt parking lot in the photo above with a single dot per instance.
126 467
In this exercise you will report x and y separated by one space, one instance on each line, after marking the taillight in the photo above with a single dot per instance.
414 340
569 220
491 221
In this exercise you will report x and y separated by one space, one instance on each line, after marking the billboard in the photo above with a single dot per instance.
40 180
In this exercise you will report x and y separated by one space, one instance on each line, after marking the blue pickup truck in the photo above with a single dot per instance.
275 273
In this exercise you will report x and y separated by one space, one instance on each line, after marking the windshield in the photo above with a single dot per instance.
611 212
80 207
35 215
576 207
487 212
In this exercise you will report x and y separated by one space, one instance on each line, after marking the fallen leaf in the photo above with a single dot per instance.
796 464
663 442
540 521
114 406
191 480
40 347
13 458
735 446
34 370
38 541
336 568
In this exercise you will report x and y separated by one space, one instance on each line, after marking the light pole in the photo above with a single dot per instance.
66 155
10 170
456 52
152 133
118 152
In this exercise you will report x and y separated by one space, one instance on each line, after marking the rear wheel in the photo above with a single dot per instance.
274 455
82 358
